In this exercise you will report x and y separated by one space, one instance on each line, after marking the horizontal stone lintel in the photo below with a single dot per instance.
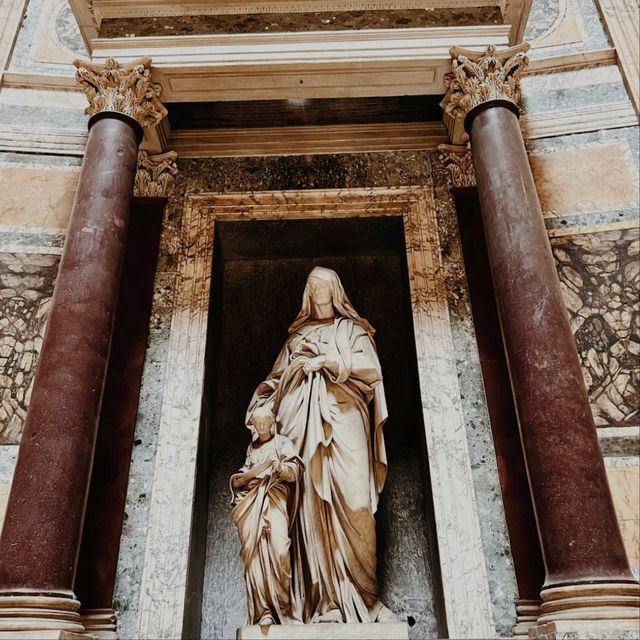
264 66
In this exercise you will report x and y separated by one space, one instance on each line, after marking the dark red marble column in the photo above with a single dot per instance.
585 561
43 523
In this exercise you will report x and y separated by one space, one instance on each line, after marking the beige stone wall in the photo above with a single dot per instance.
37 196
4 496
591 177
625 487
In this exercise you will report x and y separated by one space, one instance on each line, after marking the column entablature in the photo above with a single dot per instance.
480 78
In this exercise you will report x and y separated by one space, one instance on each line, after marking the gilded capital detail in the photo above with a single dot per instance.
124 88
459 163
154 174
482 77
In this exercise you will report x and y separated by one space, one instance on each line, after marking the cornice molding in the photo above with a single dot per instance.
88 24
154 174
221 143
537 66
303 140
123 88
477 78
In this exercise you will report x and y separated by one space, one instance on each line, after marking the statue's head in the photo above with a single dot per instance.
324 287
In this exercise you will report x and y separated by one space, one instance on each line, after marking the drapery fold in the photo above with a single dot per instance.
339 437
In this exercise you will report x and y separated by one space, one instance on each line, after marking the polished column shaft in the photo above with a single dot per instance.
577 523
587 575
46 509
44 517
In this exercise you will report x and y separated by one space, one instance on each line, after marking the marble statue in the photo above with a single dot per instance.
264 508
326 393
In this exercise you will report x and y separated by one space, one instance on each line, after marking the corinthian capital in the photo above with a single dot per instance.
459 164
477 78
125 88
154 174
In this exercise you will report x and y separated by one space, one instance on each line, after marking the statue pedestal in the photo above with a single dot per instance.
326 631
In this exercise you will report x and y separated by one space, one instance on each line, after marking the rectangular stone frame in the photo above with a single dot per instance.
469 612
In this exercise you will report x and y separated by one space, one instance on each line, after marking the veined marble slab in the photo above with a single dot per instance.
375 631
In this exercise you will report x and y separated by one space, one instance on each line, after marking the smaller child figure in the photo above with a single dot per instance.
265 495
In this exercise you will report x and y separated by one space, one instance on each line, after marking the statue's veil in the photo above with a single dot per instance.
341 303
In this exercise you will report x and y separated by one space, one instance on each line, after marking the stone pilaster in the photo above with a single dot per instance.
44 518
459 163
588 581
154 174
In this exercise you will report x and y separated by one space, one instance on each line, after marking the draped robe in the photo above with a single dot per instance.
339 438
265 507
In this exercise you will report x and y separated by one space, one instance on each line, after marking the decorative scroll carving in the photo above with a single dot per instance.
458 161
154 174
481 77
125 88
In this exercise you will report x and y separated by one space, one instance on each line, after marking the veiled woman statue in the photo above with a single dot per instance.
326 394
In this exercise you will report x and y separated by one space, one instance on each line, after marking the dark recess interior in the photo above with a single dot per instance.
314 111
260 270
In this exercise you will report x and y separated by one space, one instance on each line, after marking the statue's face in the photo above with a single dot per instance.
320 291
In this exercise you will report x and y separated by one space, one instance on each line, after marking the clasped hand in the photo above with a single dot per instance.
314 364
282 472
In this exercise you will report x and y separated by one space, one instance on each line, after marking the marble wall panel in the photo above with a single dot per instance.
132 545
8 457
558 27
595 177
49 39
36 195
544 93
625 488
600 279
26 286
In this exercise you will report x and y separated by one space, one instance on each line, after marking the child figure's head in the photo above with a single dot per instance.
262 421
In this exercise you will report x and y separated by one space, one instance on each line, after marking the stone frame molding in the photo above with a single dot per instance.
469 612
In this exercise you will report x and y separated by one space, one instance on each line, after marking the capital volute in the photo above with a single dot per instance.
154 173
123 88
478 78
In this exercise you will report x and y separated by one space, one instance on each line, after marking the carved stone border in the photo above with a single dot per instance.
622 23
466 590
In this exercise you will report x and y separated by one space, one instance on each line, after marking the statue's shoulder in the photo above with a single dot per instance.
351 327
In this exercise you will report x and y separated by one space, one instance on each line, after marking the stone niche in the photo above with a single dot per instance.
259 273
241 269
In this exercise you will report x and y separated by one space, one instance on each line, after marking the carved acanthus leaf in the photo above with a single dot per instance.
154 174
125 88
458 161
481 77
